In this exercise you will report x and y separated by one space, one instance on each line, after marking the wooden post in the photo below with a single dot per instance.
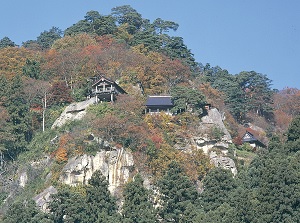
44 109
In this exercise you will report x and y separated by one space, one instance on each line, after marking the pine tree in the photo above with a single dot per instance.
68 206
137 208
18 122
101 205
177 192
218 185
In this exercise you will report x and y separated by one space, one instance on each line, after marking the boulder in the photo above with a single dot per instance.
74 111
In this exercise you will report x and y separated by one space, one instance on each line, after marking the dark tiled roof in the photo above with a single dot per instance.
159 101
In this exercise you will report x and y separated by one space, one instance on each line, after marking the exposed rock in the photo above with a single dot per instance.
223 161
23 179
206 144
116 165
214 118
74 111
44 198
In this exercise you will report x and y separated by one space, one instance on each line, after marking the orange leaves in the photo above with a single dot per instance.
61 154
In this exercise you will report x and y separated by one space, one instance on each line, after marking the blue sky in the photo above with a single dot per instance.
237 35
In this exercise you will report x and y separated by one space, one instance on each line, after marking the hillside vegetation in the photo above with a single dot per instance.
41 77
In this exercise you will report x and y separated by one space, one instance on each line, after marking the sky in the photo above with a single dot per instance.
237 35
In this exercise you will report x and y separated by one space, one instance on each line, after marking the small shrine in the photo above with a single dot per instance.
105 90
252 139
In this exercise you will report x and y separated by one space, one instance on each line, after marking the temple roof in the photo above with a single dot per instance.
159 101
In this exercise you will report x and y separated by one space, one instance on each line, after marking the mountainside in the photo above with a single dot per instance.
81 142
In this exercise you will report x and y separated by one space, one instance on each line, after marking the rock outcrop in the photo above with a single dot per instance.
74 111
223 161
213 136
116 165
44 198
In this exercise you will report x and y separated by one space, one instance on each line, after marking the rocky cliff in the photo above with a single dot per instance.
116 165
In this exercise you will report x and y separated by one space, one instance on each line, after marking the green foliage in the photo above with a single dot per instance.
294 130
67 206
47 38
101 206
217 133
245 92
217 187
16 126
6 42
94 23
127 15
40 145
185 98
100 109
137 208
32 69
25 212
177 194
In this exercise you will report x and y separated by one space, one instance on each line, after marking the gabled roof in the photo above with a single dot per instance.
250 136
159 101
102 79
109 81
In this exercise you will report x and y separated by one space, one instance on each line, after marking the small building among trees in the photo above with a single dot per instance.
156 104
105 89
253 140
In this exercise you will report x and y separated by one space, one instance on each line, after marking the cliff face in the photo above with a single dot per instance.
116 165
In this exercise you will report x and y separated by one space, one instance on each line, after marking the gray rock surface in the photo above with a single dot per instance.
223 161
44 198
214 118
74 111
116 165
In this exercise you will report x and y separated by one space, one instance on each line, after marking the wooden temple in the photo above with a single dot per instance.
157 104
105 90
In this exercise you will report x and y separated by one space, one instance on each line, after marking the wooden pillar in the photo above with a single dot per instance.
111 97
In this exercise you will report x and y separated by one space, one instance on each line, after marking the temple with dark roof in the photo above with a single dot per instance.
156 104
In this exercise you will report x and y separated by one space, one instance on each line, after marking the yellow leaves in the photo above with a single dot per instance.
12 60
78 41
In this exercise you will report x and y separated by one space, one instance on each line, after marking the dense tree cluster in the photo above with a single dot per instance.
41 77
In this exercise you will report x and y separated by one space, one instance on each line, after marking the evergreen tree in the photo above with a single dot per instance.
218 184
101 206
6 42
185 98
177 194
26 212
47 38
137 208
68 206
293 136
18 122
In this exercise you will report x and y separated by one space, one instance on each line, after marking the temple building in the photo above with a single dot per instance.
157 104
105 89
